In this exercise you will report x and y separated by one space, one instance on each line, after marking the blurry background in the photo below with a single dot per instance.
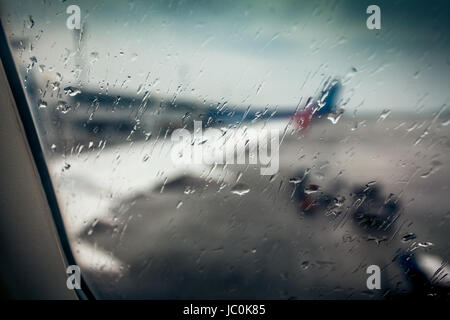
105 99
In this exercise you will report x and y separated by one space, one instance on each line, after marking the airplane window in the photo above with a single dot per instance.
244 149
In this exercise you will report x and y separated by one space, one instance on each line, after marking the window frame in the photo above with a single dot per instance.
24 115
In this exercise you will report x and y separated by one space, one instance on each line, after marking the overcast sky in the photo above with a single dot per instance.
259 53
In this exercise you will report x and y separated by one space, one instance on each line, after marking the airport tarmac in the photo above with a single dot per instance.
143 228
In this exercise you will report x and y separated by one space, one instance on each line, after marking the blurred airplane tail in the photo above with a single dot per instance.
324 104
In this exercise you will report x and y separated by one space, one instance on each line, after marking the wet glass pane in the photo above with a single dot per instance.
245 149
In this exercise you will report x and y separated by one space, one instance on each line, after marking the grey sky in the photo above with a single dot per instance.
255 53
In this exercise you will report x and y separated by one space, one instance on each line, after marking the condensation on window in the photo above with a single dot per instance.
244 149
